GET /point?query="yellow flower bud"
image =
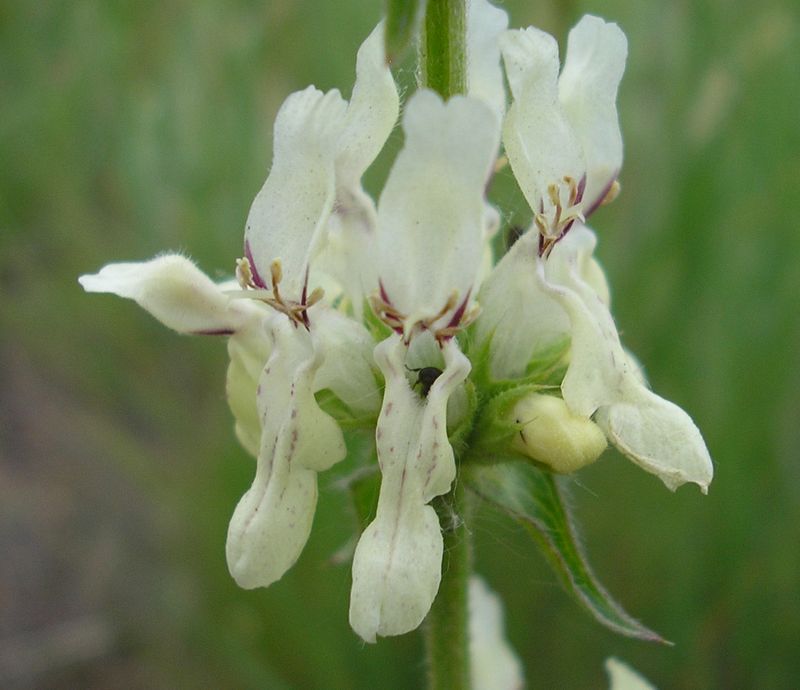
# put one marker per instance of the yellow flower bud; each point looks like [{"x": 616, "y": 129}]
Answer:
[{"x": 551, "y": 434}]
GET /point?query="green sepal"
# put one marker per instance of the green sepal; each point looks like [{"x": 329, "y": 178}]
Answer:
[
  {"x": 331, "y": 404},
  {"x": 377, "y": 328},
  {"x": 402, "y": 23},
  {"x": 459, "y": 434},
  {"x": 364, "y": 486},
  {"x": 546, "y": 368},
  {"x": 496, "y": 427},
  {"x": 535, "y": 499}
]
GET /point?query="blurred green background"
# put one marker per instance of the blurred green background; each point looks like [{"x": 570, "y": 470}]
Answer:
[{"x": 133, "y": 127}]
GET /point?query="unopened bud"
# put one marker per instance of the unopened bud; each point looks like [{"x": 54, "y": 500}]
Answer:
[{"x": 551, "y": 434}]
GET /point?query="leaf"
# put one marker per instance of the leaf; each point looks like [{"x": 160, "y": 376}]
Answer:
[
  {"x": 402, "y": 20},
  {"x": 533, "y": 498}
]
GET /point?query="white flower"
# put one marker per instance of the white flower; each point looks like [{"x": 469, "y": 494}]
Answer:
[
  {"x": 531, "y": 302},
  {"x": 430, "y": 241},
  {"x": 564, "y": 131},
  {"x": 312, "y": 205},
  {"x": 623, "y": 677},
  {"x": 562, "y": 134},
  {"x": 286, "y": 344},
  {"x": 317, "y": 249},
  {"x": 493, "y": 663}
]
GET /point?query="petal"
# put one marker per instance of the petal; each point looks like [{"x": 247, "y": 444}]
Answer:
[
  {"x": 289, "y": 214},
  {"x": 397, "y": 563},
  {"x": 598, "y": 364},
  {"x": 659, "y": 437},
  {"x": 431, "y": 211},
  {"x": 370, "y": 118},
  {"x": 273, "y": 519},
  {"x": 623, "y": 677},
  {"x": 371, "y": 113},
  {"x": 517, "y": 313},
  {"x": 485, "y": 24},
  {"x": 348, "y": 253},
  {"x": 249, "y": 348},
  {"x": 603, "y": 378},
  {"x": 175, "y": 291},
  {"x": 596, "y": 54},
  {"x": 541, "y": 146},
  {"x": 493, "y": 663},
  {"x": 346, "y": 347}
]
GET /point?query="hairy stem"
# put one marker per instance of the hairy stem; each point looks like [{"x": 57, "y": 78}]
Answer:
[
  {"x": 443, "y": 55},
  {"x": 447, "y": 624}
]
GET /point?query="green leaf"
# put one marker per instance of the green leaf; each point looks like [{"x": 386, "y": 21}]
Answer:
[
  {"x": 534, "y": 498},
  {"x": 402, "y": 21}
]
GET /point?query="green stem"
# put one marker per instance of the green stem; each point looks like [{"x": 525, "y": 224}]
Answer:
[
  {"x": 443, "y": 68},
  {"x": 443, "y": 47},
  {"x": 447, "y": 624}
]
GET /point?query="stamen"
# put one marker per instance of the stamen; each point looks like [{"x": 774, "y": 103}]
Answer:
[
  {"x": 560, "y": 217},
  {"x": 398, "y": 321},
  {"x": 244, "y": 276},
  {"x": 253, "y": 289},
  {"x": 316, "y": 295}
]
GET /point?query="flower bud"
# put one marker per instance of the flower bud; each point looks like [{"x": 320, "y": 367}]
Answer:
[{"x": 551, "y": 434}]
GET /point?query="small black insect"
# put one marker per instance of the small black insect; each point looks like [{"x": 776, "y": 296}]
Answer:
[{"x": 425, "y": 378}]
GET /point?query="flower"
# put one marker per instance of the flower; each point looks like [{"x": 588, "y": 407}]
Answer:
[
  {"x": 493, "y": 663},
  {"x": 623, "y": 677},
  {"x": 562, "y": 140},
  {"x": 429, "y": 246},
  {"x": 286, "y": 342},
  {"x": 561, "y": 134},
  {"x": 317, "y": 250}
]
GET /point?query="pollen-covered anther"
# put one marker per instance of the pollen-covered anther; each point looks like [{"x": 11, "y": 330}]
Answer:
[
  {"x": 386, "y": 312},
  {"x": 244, "y": 276},
  {"x": 399, "y": 322},
  {"x": 296, "y": 311},
  {"x": 562, "y": 212}
]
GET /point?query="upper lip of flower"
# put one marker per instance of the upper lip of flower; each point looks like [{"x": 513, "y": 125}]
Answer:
[{"x": 562, "y": 133}]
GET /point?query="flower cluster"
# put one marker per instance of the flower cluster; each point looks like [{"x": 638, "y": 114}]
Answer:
[{"x": 390, "y": 307}]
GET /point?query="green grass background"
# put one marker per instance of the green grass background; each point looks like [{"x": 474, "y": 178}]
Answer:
[{"x": 132, "y": 127}]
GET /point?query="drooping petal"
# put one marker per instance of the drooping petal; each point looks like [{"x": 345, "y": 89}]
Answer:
[
  {"x": 598, "y": 364},
  {"x": 485, "y": 24},
  {"x": 346, "y": 348},
  {"x": 397, "y": 563},
  {"x": 658, "y": 436},
  {"x": 431, "y": 211},
  {"x": 539, "y": 141},
  {"x": 176, "y": 292},
  {"x": 587, "y": 88},
  {"x": 273, "y": 519},
  {"x": 603, "y": 378},
  {"x": 493, "y": 663},
  {"x": 289, "y": 214}
]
